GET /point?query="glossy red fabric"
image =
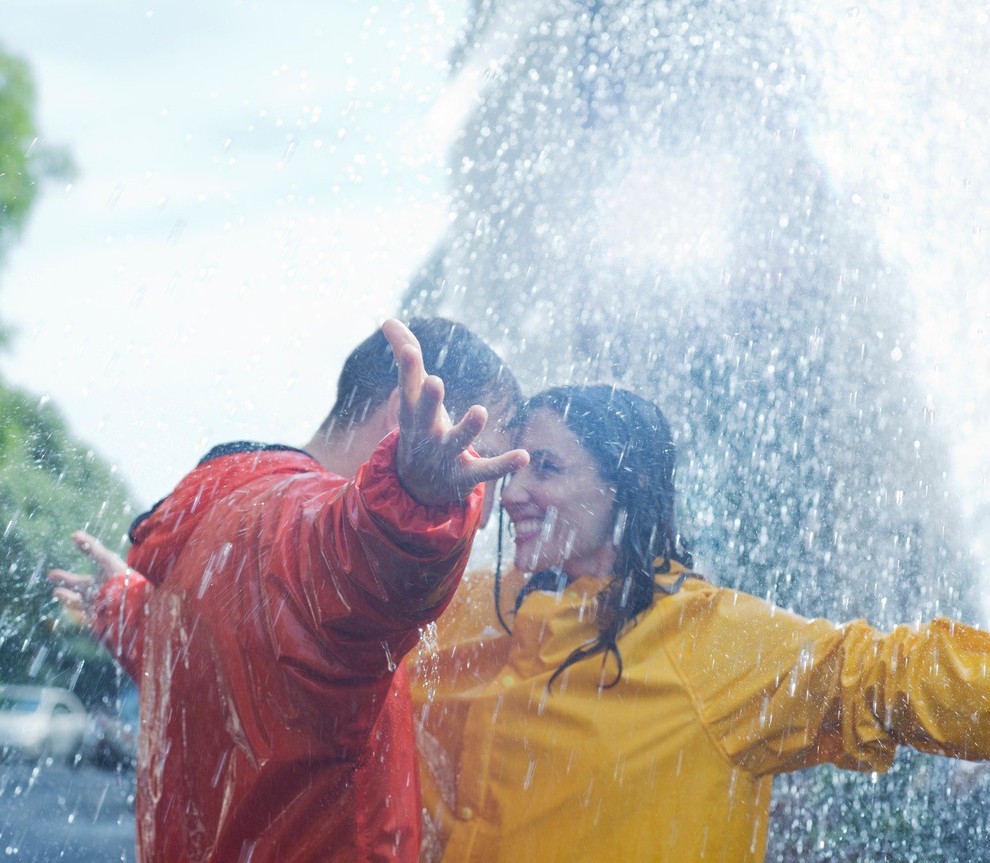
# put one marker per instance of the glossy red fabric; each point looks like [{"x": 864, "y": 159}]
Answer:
[{"x": 265, "y": 623}]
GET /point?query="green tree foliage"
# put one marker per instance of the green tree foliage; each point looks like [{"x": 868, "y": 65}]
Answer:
[
  {"x": 24, "y": 162},
  {"x": 50, "y": 484}
]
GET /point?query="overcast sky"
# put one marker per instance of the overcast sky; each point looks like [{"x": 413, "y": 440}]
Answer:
[{"x": 255, "y": 181}]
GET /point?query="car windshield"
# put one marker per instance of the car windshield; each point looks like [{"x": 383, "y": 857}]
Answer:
[{"x": 13, "y": 704}]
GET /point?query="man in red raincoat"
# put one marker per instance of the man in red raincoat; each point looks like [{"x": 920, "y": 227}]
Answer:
[{"x": 271, "y": 597}]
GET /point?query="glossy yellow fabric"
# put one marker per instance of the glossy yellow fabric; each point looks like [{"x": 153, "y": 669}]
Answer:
[{"x": 719, "y": 692}]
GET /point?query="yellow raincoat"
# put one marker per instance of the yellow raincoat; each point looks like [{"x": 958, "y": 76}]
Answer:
[{"x": 719, "y": 691}]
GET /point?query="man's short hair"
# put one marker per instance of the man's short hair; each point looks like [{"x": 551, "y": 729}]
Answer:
[{"x": 472, "y": 372}]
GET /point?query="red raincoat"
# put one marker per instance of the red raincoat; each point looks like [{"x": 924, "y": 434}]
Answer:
[{"x": 265, "y": 630}]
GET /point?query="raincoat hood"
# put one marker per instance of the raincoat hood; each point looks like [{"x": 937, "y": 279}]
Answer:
[{"x": 159, "y": 535}]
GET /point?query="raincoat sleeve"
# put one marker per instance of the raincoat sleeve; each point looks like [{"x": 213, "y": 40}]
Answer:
[
  {"x": 371, "y": 565},
  {"x": 778, "y": 692},
  {"x": 118, "y": 619}
]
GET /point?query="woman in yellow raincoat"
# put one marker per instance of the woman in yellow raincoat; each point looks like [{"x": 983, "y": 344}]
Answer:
[{"x": 611, "y": 705}]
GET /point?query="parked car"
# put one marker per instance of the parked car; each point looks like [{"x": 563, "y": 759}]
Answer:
[
  {"x": 41, "y": 720},
  {"x": 111, "y": 740}
]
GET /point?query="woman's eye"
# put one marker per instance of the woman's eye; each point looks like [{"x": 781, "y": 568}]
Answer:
[{"x": 546, "y": 467}]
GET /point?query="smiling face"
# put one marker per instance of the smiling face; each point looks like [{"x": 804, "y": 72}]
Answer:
[{"x": 559, "y": 505}]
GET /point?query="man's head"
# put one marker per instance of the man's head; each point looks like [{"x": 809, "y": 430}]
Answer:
[{"x": 471, "y": 371}]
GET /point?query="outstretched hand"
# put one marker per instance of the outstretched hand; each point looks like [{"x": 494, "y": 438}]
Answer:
[
  {"x": 432, "y": 460},
  {"x": 76, "y": 592}
]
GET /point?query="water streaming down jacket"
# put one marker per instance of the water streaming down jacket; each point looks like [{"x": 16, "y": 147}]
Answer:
[
  {"x": 719, "y": 692},
  {"x": 269, "y": 608}
]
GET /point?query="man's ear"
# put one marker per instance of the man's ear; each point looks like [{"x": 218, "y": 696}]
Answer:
[{"x": 392, "y": 410}]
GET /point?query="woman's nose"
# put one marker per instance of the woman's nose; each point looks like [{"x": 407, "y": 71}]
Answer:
[{"x": 515, "y": 489}]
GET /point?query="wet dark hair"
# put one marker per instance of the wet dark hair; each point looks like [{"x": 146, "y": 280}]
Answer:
[
  {"x": 472, "y": 373},
  {"x": 632, "y": 446}
]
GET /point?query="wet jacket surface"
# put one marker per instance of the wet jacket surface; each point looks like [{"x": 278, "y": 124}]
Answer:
[
  {"x": 271, "y": 604},
  {"x": 719, "y": 692}
]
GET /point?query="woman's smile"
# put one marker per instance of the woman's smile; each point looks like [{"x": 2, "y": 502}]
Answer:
[{"x": 526, "y": 529}]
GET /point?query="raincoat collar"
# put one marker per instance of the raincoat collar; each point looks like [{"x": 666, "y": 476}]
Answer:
[
  {"x": 159, "y": 535},
  {"x": 552, "y": 619},
  {"x": 554, "y": 581}
]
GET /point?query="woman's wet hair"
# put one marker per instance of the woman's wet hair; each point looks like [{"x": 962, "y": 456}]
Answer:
[{"x": 631, "y": 444}]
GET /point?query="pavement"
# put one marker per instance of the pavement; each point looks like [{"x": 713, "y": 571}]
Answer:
[{"x": 50, "y": 811}]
